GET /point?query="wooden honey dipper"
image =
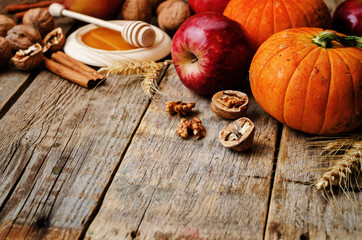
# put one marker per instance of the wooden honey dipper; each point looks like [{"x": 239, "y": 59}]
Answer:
[{"x": 136, "y": 33}]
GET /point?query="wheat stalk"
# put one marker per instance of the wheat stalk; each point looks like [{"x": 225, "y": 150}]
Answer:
[
  {"x": 148, "y": 70},
  {"x": 347, "y": 165}
]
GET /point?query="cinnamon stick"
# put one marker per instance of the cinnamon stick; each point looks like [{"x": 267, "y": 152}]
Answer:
[
  {"x": 74, "y": 64},
  {"x": 68, "y": 73},
  {"x": 14, "y": 8},
  {"x": 19, "y": 15}
]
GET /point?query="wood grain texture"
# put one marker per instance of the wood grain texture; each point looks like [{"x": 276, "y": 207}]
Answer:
[
  {"x": 297, "y": 211},
  {"x": 59, "y": 147},
  {"x": 171, "y": 188}
]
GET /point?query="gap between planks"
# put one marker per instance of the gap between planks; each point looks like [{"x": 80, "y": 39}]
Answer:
[
  {"x": 92, "y": 216},
  {"x": 275, "y": 162}
]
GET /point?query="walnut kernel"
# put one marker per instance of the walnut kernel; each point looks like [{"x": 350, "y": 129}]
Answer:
[
  {"x": 6, "y": 24},
  {"x": 183, "y": 128},
  {"x": 179, "y": 107},
  {"x": 194, "y": 125},
  {"x": 199, "y": 131},
  {"x": 40, "y": 19}
]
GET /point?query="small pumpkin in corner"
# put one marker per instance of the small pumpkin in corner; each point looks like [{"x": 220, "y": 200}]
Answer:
[
  {"x": 262, "y": 18},
  {"x": 310, "y": 79}
]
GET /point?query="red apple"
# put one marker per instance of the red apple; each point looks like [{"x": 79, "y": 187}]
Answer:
[
  {"x": 347, "y": 18},
  {"x": 198, "y": 6},
  {"x": 104, "y": 9},
  {"x": 210, "y": 53}
]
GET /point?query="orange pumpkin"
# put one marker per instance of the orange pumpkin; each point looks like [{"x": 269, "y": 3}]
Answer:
[
  {"x": 310, "y": 83},
  {"x": 262, "y": 18}
]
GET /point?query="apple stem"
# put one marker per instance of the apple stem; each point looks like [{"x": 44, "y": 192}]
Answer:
[
  {"x": 325, "y": 38},
  {"x": 194, "y": 60}
]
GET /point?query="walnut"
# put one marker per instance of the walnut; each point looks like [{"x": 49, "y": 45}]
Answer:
[
  {"x": 137, "y": 10},
  {"x": 40, "y": 19},
  {"x": 238, "y": 135},
  {"x": 199, "y": 131},
  {"x": 230, "y": 104},
  {"x": 28, "y": 59},
  {"x": 164, "y": 5},
  {"x": 23, "y": 36},
  {"x": 179, "y": 107},
  {"x": 53, "y": 41},
  {"x": 183, "y": 128},
  {"x": 194, "y": 125},
  {"x": 171, "y": 14},
  {"x": 5, "y": 52},
  {"x": 6, "y": 24}
]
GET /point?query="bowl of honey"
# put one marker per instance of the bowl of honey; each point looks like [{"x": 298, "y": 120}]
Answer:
[{"x": 99, "y": 46}]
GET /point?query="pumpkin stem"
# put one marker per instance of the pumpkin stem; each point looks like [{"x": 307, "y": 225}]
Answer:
[{"x": 324, "y": 39}]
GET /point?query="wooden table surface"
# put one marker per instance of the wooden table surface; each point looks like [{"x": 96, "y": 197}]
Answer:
[{"x": 108, "y": 164}]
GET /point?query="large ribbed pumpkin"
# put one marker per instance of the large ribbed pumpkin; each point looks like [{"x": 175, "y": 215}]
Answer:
[
  {"x": 308, "y": 82},
  {"x": 262, "y": 18}
]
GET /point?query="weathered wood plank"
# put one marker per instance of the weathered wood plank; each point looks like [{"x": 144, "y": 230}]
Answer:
[
  {"x": 171, "y": 188},
  {"x": 297, "y": 211},
  {"x": 60, "y": 144}
]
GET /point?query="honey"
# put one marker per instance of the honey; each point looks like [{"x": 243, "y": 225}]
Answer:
[{"x": 106, "y": 39}]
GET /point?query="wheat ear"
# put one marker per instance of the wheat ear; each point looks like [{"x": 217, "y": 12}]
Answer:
[
  {"x": 149, "y": 70},
  {"x": 343, "y": 169},
  {"x": 149, "y": 82}
]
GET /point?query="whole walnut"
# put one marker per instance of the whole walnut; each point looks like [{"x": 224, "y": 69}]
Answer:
[
  {"x": 40, "y": 19},
  {"x": 171, "y": 14},
  {"x": 23, "y": 36},
  {"x": 6, "y": 24},
  {"x": 5, "y": 52},
  {"x": 163, "y": 5},
  {"x": 137, "y": 10}
]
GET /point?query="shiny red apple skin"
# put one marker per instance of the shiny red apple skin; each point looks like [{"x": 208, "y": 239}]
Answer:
[
  {"x": 104, "y": 9},
  {"x": 198, "y": 6},
  {"x": 347, "y": 18},
  {"x": 211, "y": 53}
]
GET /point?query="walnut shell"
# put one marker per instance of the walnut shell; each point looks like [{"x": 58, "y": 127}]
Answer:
[
  {"x": 23, "y": 36},
  {"x": 230, "y": 104},
  {"x": 5, "y": 52},
  {"x": 171, "y": 14},
  {"x": 6, "y": 24},
  {"x": 137, "y": 10},
  {"x": 54, "y": 41},
  {"x": 238, "y": 135},
  {"x": 40, "y": 19},
  {"x": 28, "y": 59}
]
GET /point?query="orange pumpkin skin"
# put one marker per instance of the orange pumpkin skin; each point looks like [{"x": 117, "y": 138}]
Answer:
[
  {"x": 262, "y": 18},
  {"x": 309, "y": 88}
]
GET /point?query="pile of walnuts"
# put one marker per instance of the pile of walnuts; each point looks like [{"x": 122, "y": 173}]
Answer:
[
  {"x": 170, "y": 14},
  {"x": 26, "y": 39}
]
